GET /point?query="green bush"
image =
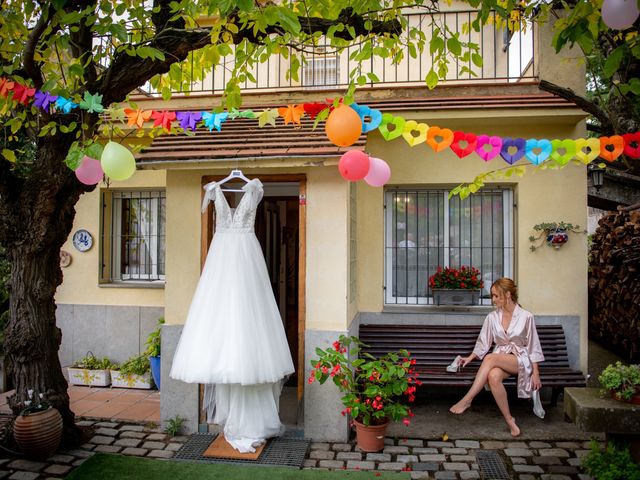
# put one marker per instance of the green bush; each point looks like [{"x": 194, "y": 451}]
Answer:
[
  {"x": 93, "y": 363},
  {"x": 614, "y": 463},
  {"x": 135, "y": 365},
  {"x": 622, "y": 379},
  {"x": 153, "y": 341}
]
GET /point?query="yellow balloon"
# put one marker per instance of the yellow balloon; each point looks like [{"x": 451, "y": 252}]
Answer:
[{"x": 117, "y": 161}]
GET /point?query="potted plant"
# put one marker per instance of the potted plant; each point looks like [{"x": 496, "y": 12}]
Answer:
[
  {"x": 622, "y": 382},
  {"x": 555, "y": 234},
  {"x": 375, "y": 390},
  {"x": 91, "y": 371},
  {"x": 153, "y": 352},
  {"x": 453, "y": 286},
  {"x": 133, "y": 373},
  {"x": 38, "y": 428}
]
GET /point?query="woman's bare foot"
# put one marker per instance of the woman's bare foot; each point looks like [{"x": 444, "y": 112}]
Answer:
[
  {"x": 515, "y": 430},
  {"x": 460, "y": 407}
]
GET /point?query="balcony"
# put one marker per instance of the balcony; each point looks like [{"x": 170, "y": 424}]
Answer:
[{"x": 508, "y": 57}]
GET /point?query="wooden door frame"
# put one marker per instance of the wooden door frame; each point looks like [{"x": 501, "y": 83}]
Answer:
[{"x": 206, "y": 231}]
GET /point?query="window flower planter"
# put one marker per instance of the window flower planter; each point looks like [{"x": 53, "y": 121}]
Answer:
[
  {"x": 130, "y": 380},
  {"x": 85, "y": 376},
  {"x": 455, "y": 296}
]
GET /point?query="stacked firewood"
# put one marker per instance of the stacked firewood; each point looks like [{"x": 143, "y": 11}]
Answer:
[{"x": 614, "y": 283}]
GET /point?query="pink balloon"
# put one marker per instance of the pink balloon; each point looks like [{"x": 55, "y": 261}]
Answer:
[
  {"x": 354, "y": 165},
  {"x": 379, "y": 172},
  {"x": 619, "y": 14},
  {"x": 90, "y": 171}
]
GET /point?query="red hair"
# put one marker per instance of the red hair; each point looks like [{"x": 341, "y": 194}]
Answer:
[{"x": 505, "y": 285}]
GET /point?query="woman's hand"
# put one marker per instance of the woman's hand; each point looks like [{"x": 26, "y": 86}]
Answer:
[
  {"x": 466, "y": 360},
  {"x": 535, "y": 380}
]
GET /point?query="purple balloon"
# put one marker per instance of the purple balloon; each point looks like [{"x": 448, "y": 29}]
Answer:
[
  {"x": 90, "y": 171},
  {"x": 379, "y": 172},
  {"x": 619, "y": 14}
]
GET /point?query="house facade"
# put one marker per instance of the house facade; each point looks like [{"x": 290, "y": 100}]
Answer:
[{"x": 339, "y": 253}]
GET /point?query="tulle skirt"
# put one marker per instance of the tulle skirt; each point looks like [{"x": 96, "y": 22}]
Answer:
[{"x": 233, "y": 333}]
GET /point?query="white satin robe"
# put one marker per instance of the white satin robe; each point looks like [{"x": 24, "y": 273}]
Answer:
[{"x": 520, "y": 339}]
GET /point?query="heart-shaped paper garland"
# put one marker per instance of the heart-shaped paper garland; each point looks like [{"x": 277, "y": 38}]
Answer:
[
  {"x": 616, "y": 142},
  {"x": 545, "y": 150},
  {"x": 494, "y": 142},
  {"x": 397, "y": 122},
  {"x": 374, "y": 115},
  {"x": 569, "y": 147},
  {"x": 629, "y": 140},
  {"x": 436, "y": 132},
  {"x": 458, "y": 137},
  {"x": 593, "y": 144},
  {"x": 413, "y": 126},
  {"x": 517, "y": 143}
]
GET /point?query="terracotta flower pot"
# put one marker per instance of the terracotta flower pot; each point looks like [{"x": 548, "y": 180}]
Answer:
[
  {"x": 370, "y": 438},
  {"x": 38, "y": 434}
]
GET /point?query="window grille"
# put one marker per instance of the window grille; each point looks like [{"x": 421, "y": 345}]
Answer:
[
  {"x": 320, "y": 71},
  {"x": 424, "y": 229},
  {"x": 136, "y": 237}
]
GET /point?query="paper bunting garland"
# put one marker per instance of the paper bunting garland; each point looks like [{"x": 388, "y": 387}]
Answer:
[
  {"x": 511, "y": 150},
  {"x": 291, "y": 113},
  {"x": 163, "y": 119}
]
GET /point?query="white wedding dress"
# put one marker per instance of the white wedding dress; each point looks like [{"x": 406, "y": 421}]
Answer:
[{"x": 233, "y": 340}]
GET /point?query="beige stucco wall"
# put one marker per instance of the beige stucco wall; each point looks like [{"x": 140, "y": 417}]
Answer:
[
  {"x": 551, "y": 282},
  {"x": 81, "y": 279}
]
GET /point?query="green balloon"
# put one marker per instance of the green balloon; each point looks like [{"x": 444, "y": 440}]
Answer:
[{"x": 117, "y": 161}]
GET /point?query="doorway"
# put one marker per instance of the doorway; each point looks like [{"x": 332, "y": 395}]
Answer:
[{"x": 280, "y": 229}]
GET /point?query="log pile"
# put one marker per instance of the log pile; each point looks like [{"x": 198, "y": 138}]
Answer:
[{"x": 614, "y": 283}]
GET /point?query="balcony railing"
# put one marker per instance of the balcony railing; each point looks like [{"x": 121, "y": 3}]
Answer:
[{"x": 507, "y": 57}]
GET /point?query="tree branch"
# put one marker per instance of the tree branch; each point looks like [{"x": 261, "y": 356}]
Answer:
[
  {"x": 586, "y": 105},
  {"x": 82, "y": 46},
  {"x": 30, "y": 67},
  {"x": 126, "y": 73}
]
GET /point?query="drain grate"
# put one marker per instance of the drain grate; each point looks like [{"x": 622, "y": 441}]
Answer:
[
  {"x": 491, "y": 465},
  {"x": 280, "y": 451}
]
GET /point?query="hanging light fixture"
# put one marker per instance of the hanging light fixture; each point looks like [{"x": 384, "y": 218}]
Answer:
[{"x": 597, "y": 175}]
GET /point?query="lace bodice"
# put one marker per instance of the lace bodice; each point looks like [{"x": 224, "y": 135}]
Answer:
[{"x": 243, "y": 218}]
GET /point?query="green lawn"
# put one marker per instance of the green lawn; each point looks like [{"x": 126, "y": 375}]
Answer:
[{"x": 111, "y": 467}]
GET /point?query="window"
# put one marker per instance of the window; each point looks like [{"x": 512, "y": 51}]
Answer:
[
  {"x": 320, "y": 71},
  {"x": 134, "y": 232},
  {"x": 425, "y": 229}
]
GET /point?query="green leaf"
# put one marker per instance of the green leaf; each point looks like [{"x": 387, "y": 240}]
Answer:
[
  {"x": 9, "y": 155},
  {"x": 454, "y": 46},
  {"x": 432, "y": 79},
  {"x": 612, "y": 64},
  {"x": 476, "y": 59},
  {"x": 74, "y": 157},
  {"x": 436, "y": 44}
]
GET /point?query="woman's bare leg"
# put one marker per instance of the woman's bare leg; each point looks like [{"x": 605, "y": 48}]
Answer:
[
  {"x": 505, "y": 361},
  {"x": 496, "y": 377}
]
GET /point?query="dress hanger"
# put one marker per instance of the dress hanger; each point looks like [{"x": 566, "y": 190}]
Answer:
[{"x": 235, "y": 174}]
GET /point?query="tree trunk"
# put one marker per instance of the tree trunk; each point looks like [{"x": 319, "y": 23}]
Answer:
[{"x": 42, "y": 209}]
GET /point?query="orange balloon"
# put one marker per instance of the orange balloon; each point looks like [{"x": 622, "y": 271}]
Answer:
[{"x": 343, "y": 126}]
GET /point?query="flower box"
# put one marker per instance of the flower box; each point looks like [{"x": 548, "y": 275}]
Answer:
[
  {"x": 93, "y": 378},
  {"x": 455, "y": 296},
  {"x": 132, "y": 380}
]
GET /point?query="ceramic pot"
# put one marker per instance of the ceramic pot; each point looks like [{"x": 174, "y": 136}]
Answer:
[
  {"x": 557, "y": 237},
  {"x": 370, "y": 438},
  {"x": 155, "y": 369},
  {"x": 38, "y": 434}
]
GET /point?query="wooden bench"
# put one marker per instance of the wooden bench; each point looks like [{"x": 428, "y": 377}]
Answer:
[{"x": 435, "y": 346}]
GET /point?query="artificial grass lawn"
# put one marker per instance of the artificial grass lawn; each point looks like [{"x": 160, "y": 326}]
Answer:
[{"x": 110, "y": 467}]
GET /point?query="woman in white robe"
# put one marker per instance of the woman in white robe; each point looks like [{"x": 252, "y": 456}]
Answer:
[{"x": 517, "y": 352}]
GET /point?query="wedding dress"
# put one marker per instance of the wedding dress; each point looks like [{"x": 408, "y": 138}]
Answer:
[{"x": 233, "y": 340}]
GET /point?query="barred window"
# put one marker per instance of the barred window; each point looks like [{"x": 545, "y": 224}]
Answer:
[
  {"x": 425, "y": 229},
  {"x": 134, "y": 232},
  {"x": 320, "y": 71}
]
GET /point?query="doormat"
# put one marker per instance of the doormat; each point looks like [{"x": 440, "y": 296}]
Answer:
[
  {"x": 280, "y": 451},
  {"x": 220, "y": 448}
]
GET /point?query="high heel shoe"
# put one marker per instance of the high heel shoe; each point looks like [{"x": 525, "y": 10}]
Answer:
[{"x": 455, "y": 365}]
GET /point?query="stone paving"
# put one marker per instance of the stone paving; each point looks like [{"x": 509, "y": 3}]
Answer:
[{"x": 424, "y": 459}]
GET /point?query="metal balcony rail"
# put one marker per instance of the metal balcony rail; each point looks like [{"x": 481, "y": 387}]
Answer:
[{"x": 507, "y": 57}]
